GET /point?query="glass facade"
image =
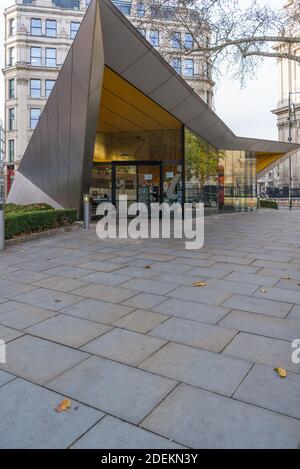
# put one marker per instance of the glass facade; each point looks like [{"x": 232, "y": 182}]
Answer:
[
  {"x": 143, "y": 152},
  {"x": 238, "y": 176},
  {"x": 201, "y": 171}
]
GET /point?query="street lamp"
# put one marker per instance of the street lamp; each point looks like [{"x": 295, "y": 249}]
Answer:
[{"x": 291, "y": 120}]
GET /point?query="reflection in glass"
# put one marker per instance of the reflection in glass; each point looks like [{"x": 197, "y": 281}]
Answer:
[{"x": 201, "y": 171}]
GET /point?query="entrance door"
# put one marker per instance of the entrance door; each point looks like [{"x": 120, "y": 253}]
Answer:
[{"x": 139, "y": 182}]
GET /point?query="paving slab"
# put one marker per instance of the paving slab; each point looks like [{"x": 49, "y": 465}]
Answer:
[
  {"x": 144, "y": 301},
  {"x": 7, "y": 334},
  {"x": 231, "y": 286},
  {"x": 5, "y": 378},
  {"x": 68, "y": 330},
  {"x": 9, "y": 289},
  {"x": 62, "y": 284},
  {"x": 105, "y": 293},
  {"x": 295, "y": 313},
  {"x": 208, "y": 370},
  {"x": 47, "y": 299},
  {"x": 227, "y": 267},
  {"x": 206, "y": 336},
  {"x": 39, "y": 360},
  {"x": 120, "y": 390},
  {"x": 263, "y": 350},
  {"x": 102, "y": 266},
  {"x": 150, "y": 286},
  {"x": 201, "y": 419},
  {"x": 25, "y": 276},
  {"x": 124, "y": 346},
  {"x": 67, "y": 271},
  {"x": 291, "y": 284},
  {"x": 280, "y": 294},
  {"x": 3, "y": 300},
  {"x": 106, "y": 278},
  {"x": 284, "y": 329},
  {"x": 258, "y": 305},
  {"x": 98, "y": 311},
  {"x": 263, "y": 387},
  {"x": 28, "y": 419},
  {"x": 192, "y": 310},
  {"x": 112, "y": 433},
  {"x": 200, "y": 294},
  {"x": 137, "y": 272},
  {"x": 20, "y": 315},
  {"x": 141, "y": 321},
  {"x": 255, "y": 279}
]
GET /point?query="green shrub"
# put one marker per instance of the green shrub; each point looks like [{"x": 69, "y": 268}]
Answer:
[
  {"x": 22, "y": 223},
  {"x": 268, "y": 204},
  {"x": 13, "y": 208}
]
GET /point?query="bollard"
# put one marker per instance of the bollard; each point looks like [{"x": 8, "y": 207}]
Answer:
[
  {"x": 258, "y": 202},
  {"x": 2, "y": 231},
  {"x": 86, "y": 211}
]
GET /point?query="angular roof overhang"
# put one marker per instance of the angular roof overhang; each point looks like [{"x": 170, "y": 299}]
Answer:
[{"x": 59, "y": 157}]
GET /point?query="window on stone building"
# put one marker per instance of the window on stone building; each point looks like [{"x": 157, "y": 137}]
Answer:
[
  {"x": 50, "y": 59},
  {"x": 11, "y": 151},
  {"x": 154, "y": 37},
  {"x": 11, "y": 119},
  {"x": 12, "y": 26},
  {"x": 11, "y": 89},
  {"x": 176, "y": 40},
  {"x": 34, "y": 117},
  {"x": 51, "y": 28},
  {"x": 176, "y": 64},
  {"x": 74, "y": 26},
  {"x": 188, "y": 67},
  {"x": 36, "y": 27},
  {"x": 188, "y": 41},
  {"x": 35, "y": 56},
  {"x": 140, "y": 9},
  {"x": 35, "y": 88},
  {"x": 11, "y": 56},
  {"x": 142, "y": 31},
  {"x": 49, "y": 87}
]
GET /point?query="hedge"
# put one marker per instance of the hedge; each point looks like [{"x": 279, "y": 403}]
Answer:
[
  {"x": 268, "y": 204},
  {"x": 13, "y": 208},
  {"x": 22, "y": 223}
]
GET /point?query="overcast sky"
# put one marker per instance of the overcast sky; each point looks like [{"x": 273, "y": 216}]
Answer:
[{"x": 246, "y": 111}]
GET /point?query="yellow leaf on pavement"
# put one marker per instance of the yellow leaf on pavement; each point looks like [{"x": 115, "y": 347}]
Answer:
[
  {"x": 147, "y": 266},
  {"x": 64, "y": 405},
  {"x": 263, "y": 290},
  {"x": 281, "y": 372},
  {"x": 199, "y": 284}
]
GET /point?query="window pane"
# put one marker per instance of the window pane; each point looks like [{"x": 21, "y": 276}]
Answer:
[
  {"x": 49, "y": 86},
  {"x": 51, "y": 28},
  {"x": 142, "y": 31},
  {"x": 11, "y": 89},
  {"x": 34, "y": 117},
  {"x": 188, "y": 41},
  {"x": 188, "y": 68},
  {"x": 175, "y": 40},
  {"x": 35, "y": 88},
  {"x": 11, "y": 150},
  {"x": 36, "y": 56},
  {"x": 36, "y": 27},
  {"x": 12, "y": 26},
  {"x": 11, "y": 119},
  {"x": 140, "y": 9},
  {"x": 176, "y": 64},
  {"x": 73, "y": 29},
  {"x": 50, "y": 57},
  {"x": 154, "y": 38}
]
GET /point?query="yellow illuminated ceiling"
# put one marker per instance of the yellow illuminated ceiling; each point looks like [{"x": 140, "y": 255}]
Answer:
[
  {"x": 265, "y": 159},
  {"x": 136, "y": 119}
]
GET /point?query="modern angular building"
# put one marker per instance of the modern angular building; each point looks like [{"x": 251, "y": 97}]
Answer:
[{"x": 120, "y": 120}]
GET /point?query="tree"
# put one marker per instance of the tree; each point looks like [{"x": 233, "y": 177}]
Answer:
[
  {"x": 239, "y": 33},
  {"x": 201, "y": 159}
]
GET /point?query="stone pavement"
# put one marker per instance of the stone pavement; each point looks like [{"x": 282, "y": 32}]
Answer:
[{"x": 148, "y": 360}]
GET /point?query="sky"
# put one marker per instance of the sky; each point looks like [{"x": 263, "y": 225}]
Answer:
[{"x": 246, "y": 111}]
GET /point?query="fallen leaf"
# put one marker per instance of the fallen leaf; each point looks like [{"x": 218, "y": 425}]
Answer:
[
  {"x": 57, "y": 301},
  {"x": 263, "y": 290},
  {"x": 199, "y": 284},
  {"x": 281, "y": 372},
  {"x": 147, "y": 266},
  {"x": 64, "y": 405},
  {"x": 286, "y": 278}
]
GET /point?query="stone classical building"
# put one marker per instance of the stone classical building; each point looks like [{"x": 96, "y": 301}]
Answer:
[
  {"x": 38, "y": 35},
  {"x": 288, "y": 84}
]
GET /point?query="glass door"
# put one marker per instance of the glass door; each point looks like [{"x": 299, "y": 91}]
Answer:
[
  {"x": 126, "y": 183},
  {"x": 149, "y": 184}
]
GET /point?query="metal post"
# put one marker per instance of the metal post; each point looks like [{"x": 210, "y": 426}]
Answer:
[
  {"x": 2, "y": 231},
  {"x": 86, "y": 211}
]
